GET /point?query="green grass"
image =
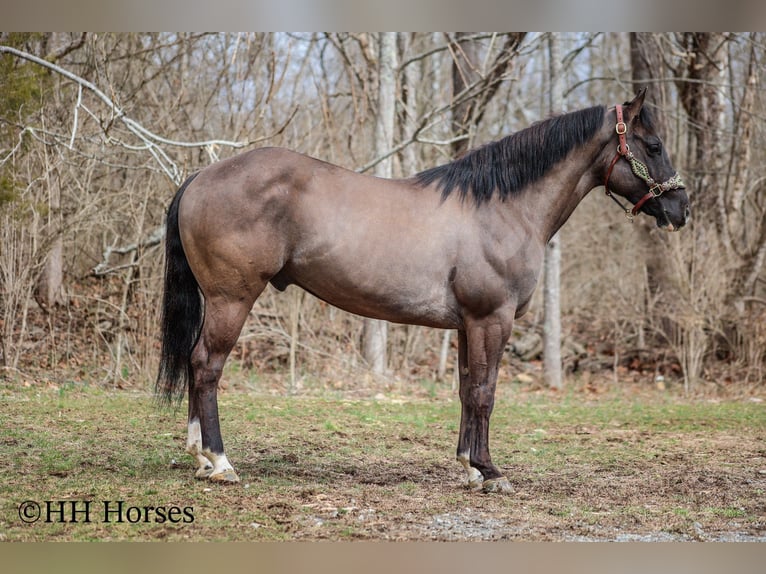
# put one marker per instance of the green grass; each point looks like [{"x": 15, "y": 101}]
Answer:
[{"x": 315, "y": 468}]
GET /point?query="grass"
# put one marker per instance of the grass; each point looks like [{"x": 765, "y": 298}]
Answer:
[{"x": 331, "y": 468}]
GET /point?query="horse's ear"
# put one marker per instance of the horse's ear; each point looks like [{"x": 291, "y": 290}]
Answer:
[{"x": 633, "y": 108}]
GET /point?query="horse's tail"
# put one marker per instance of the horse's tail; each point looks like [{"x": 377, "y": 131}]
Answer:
[{"x": 181, "y": 312}]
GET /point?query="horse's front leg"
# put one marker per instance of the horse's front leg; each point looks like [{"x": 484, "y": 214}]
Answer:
[{"x": 480, "y": 349}]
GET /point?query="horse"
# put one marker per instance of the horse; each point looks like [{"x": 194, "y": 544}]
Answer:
[{"x": 458, "y": 246}]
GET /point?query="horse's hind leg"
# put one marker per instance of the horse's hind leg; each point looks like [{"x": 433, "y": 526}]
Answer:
[
  {"x": 221, "y": 327},
  {"x": 194, "y": 441}
]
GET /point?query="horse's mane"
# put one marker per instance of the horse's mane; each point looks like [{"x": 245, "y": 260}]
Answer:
[{"x": 508, "y": 165}]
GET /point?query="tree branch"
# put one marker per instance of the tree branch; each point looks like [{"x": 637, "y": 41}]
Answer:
[
  {"x": 154, "y": 238},
  {"x": 149, "y": 138}
]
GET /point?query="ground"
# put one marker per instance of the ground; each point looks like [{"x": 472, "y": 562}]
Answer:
[{"x": 604, "y": 462}]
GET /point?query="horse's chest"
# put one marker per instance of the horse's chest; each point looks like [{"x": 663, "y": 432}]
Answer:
[{"x": 493, "y": 284}]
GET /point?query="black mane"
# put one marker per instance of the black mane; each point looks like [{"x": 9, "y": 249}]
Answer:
[{"x": 510, "y": 164}]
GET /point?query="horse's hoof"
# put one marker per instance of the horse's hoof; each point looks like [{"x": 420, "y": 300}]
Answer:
[
  {"x": 204, "y": 472},
  {"x": 475, "y": 484},
  {"x": 501, "y": 485},
  {"x": 225, "y": 477}
]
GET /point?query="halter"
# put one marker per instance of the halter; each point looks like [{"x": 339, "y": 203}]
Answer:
[{"x": 639, "y": 169}]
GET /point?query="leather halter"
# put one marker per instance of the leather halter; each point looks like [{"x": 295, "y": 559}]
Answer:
[{"x": 638, "y": 168}]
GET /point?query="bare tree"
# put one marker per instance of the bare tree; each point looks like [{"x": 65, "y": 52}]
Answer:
[{"x": 552, "y": 270}]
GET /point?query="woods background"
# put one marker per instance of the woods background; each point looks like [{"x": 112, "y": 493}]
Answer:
[{"x": 96, "y": 136}]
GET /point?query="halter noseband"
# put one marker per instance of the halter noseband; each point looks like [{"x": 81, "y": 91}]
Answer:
[{"x": 639, "y": 169}]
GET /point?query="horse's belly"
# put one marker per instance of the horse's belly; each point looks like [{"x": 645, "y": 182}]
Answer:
[{"x": 407, "y": 299}]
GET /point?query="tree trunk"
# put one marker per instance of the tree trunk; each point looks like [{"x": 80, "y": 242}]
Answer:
[
  {"x": 646, "y": 67},
  {"x": 647, "y": 72},
  {"x": 699, "y": 82},
  {"x": 49, "y": 289},
  {"x": 703, "y": 100},
  {"x": 375, "y": 334},
  {"x": 552, "y": 271}
]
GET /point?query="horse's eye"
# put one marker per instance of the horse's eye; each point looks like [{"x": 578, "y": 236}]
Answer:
[{"x": 654, "y": 148}]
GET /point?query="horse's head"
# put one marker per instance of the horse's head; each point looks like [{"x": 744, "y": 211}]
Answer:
[{"x": 640, "y": 169}]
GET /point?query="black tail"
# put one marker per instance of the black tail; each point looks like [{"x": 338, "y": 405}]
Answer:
[{"x": 181, "y": 312}]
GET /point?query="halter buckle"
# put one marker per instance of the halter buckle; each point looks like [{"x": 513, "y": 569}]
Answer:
[{"x": 621, "y": 128}]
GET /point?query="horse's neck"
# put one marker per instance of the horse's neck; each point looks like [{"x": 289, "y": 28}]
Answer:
[{"x": 558, "y": 194}]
